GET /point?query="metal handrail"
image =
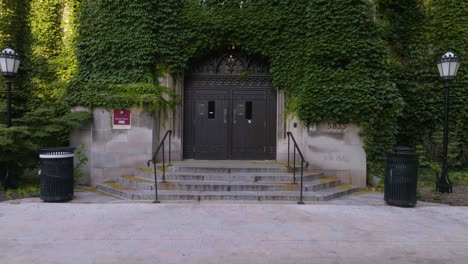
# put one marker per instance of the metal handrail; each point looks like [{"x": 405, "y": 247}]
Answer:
[
  {"x": 161, "y": 145},
  {"x": 296, "y": 147}
]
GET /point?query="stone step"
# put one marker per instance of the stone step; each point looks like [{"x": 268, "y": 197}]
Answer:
[
  {"x": 228, "y": 168},
  {"x": 164, "y": 195},
  {"x": 214, "y": 186},
  {"x": 245, "y": 177}
]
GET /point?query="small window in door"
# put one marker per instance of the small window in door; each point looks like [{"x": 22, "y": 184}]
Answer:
[
  {"x": 211, "y": 109},
  {"x": 248, "y": 110}
]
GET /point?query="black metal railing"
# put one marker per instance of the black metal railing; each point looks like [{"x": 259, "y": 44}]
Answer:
[
  {"x": 296, "y": 147},
  {"x": 153, "y": 160}
]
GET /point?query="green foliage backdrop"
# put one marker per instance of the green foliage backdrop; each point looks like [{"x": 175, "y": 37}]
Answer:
[
  {"x": 43, "y": 33},
  {"x": 416, "y": 32}
]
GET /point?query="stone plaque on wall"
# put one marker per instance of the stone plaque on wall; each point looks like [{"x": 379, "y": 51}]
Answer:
[
  {"x": 332, "y": 127},
  {"x": 122, "y": 119}
]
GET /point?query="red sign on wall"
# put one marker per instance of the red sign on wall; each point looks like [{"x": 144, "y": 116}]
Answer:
[{"x": 122, "y": 119}]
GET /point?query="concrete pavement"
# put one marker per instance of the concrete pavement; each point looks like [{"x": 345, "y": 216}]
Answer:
[
  {"x": 33, "y": 232},
  {"x": 96, "y": 196}
]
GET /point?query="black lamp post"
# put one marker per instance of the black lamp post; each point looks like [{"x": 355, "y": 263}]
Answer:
[
  {"x": 9, "y": 64},
  {"x": 448, "y": 65}
]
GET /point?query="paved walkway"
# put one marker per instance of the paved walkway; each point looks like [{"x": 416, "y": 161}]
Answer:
[
  {"x": 124, "y": 232},
  {"x": 359, "y": 198}
]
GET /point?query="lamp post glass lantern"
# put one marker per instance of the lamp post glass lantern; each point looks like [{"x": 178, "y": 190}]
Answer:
[
  {"x": 448, "y": 65},
  {"x": 9, "y": 62},
  {"x": 9, "y": 65}
]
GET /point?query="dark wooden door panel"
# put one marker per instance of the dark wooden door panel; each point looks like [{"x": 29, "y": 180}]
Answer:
[
  {"x": 249, "y": 140},
  {"x": 211, "y": 125}
]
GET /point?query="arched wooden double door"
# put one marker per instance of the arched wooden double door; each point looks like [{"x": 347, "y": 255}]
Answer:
[{"x": 229, "y": 109}]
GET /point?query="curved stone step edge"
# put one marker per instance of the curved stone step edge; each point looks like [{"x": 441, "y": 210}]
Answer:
[
  {"x": 323, "y": 195},
  {"x": 308, "y": 176},
  {"x": 208, "y": 186},
  {"x": 125, "y": 194},
  {"x": 336, "y": 192}
]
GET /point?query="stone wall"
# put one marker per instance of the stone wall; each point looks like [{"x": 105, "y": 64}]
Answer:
[
  {"x": 337, "y": 149},
  {"x": 114, "y": 152}
]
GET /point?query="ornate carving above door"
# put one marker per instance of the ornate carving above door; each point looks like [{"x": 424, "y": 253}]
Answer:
[
  {"x": 230, "y": 68},
  {"x": 231, "y": 63}
]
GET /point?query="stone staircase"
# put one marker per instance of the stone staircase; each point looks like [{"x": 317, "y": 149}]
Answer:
[{"x": 227, "y": 180}]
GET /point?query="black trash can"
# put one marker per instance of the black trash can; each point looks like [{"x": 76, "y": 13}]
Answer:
[
  {"x": 401, "y": 177},
  {"x": 57, "y": 174}
]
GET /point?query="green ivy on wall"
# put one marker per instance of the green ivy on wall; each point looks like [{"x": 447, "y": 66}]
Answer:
[
  {"x": 117, "y": 59},
  {"x": 449, "y": 26},
  {"x": 146, "y": 95},
  {"x": 46, "y": 48}
]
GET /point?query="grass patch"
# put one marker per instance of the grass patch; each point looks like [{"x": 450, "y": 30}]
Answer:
[
  {"x": 86, "y": 189},
  {"x": 109, "y": 195},
  {"x": 427, "y": 177},
  {"x": 327, "y": 180},
  {"x": 366, "y": 191},
  {"x": 28, "y": 186},
  {"x": 118, "y": 186},
  {"x": 312, "y": 172},
  {"x": 344, "y": 187},
  {"x": 271, "y": 163},
  {"x": 25, "y": 190},
  {"x": 133, "y": 178},
  {"x": 146, "y": 171}
]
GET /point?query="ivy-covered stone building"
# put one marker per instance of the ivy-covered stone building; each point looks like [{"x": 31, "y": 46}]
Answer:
[
  {"x": 231, "y": 86},
  {"x": 348, "y": 79}
]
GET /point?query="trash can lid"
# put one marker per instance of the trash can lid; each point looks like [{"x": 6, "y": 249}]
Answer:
[
  {"x": 55, "y": 156},
  {"x": 56, "y": 152},
  {"x": 403, "y": 149}
]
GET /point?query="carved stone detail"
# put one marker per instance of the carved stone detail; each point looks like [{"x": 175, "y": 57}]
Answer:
[{"x": 231, "y": 68}]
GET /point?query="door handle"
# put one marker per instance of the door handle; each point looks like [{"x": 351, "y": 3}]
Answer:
[
  {"x": 234, "y": 116},
  {"x": 225, "y": 116}
]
